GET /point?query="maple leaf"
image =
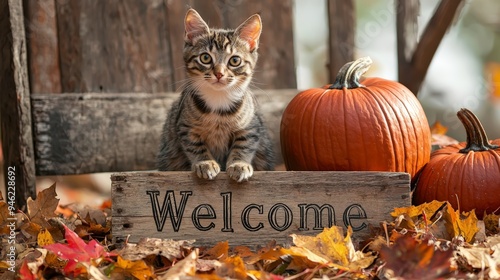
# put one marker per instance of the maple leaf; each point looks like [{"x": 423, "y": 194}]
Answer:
[
  {"x": 412, "y": 214},
  {"x": 464, "y": 225},
  {"x": 77, "y": 251},
  {"x": 409, "y": 259},
  {"x": 139, "y": 269},
  {"x": 43, "y": 207},
  {"x": 332, "y": 246}
]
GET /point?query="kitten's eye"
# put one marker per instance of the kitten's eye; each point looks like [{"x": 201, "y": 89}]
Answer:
[
  {"x": 235, "y": 61},
  {"x": 205, "y": 58}
]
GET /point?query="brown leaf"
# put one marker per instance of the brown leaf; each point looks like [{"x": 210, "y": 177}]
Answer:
[
  {"x": 168, "y": 248},
  {"x": 219, "y": 252},
  {"x": 410, "y": 259},
  {"x": 4, "y": 217},
  {"x": 43, "y": 207},
  {"x": 492, "y": 224},
  {"x": 233, "y": 268}
]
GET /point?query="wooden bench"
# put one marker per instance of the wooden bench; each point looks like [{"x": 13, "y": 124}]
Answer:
[{"x": 85, "y": 85}]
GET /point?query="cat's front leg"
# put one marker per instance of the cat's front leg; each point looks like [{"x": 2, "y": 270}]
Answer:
[
  {"x": 202, "y": 161},
  {"x": 239, "y": 163}
]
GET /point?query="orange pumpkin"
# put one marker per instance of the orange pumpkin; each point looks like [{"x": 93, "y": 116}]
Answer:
[
  {"x": 373, "y": 125},
  {"x": 465, "y": 174}
]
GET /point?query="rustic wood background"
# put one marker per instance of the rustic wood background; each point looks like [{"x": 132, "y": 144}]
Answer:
[
  {"x": 376, "y": 192},
  {"x": 62, "y": 61},
  {"x": 136, "y": 46}
]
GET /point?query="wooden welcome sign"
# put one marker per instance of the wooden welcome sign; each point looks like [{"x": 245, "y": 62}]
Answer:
[{"x": 270, "y": 206}]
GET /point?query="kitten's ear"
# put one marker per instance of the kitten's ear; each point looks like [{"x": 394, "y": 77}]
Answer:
[
  {"x": 250, "y": 31},
  {"x": 194, "y": 25}
]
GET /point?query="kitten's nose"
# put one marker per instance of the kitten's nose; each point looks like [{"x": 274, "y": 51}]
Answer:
[{"x": 218, "y": 75}]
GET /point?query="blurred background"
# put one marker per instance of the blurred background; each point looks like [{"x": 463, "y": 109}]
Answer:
[{"x": 465, "y": 71}]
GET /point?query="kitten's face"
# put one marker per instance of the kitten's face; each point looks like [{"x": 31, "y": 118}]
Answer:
[{"x": 220, "y": 60}]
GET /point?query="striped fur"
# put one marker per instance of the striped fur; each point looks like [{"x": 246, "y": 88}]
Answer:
[{"x": 215, "y": 124}]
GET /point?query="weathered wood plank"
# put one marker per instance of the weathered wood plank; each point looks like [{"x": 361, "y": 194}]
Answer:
[
  {"x": 270, "y": 206},
  {"x": 85, "y": 133},
  {"x": 275, "y": 68},
  {"x": 341, "y": 23},
  {"x": 114, "y": 46},
  {"x": 414, "y": 61},
  {"x": 43, "y": 49},
  {"x": 15, "y": 110}
]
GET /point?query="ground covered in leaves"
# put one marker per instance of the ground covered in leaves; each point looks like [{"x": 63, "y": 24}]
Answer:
[{"x": 431, "y": 241}]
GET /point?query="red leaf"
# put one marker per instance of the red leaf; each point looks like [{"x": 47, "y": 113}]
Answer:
[
  {"x": 77, "y": 250},
  {"x": 25, "y": 272}
]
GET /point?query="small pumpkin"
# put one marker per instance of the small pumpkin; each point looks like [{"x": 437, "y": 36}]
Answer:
[
  {"x": 373, "y": 125},
  {"x": 466, "y": 174}
]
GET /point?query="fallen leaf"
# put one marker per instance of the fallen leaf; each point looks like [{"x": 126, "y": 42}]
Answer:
[
  {"x": 25, "y": 272},
  {"x": 4, "y": 217},
  {"x": 77, "y": 251},
  {"x": 219, "y": 252},
  {"x": 233, "y": 268},
  {"x": 43, "y": 207},
  {"x": 168, "y": 248},
  {"x": 329, "y": 244},
  {"x": 492, "y": 223},
  {"x": 413, "y": 214},
  {"x": 409, "y": 259},
  {"x": 139, "y": 269},
  {"x": 185, "y": 267},
  {"x": 464, "y": 224},
  {"x": 44, "y": 238}
]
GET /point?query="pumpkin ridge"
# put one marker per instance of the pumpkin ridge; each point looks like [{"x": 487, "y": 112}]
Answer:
[
  {"x": 360, "y": 128},
  {"x": 302, "y": 116},
  {"x": 383, "y": 104},
  {"x": 415, "y": 124},
  {"x": 313, "y": 128}
]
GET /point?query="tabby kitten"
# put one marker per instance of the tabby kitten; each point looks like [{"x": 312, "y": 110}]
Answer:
[{"x": 215, "y": 124}]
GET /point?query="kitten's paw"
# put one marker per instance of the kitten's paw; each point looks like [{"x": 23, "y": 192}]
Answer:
[
  {"x": 206, "y": 169},
  {"x": 240, "y": 171}
]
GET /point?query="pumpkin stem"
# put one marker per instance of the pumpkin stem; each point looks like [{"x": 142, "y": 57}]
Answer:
[
  {"x": 476, "y": 136},
  {"x": 349, "y": 74}
]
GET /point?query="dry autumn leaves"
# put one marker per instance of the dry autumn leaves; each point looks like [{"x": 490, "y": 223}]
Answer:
[{"x": 430, "y": 241}]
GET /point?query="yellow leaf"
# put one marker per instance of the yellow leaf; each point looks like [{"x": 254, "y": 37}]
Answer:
[
  {"x": 329, "y": 244},
  {"x": 412, "y": 214},
  {"x": 461, "y": 225},
  {"x": 233, "y": 267},
  {"x": 438, "y": 128},
  {"x": 44, "y": 238},
  {"x": 139, "y": 269}
]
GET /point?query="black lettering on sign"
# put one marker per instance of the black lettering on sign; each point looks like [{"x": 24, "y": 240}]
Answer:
[
  {"x": 354, "y": 212},
  {"x": 245, "y": 217},
  {"x": 227, "y": 214},
  {"x": 160, "y": 214},
  {"x": 197, "y": 216},
  {"x": 273, "y": 219},
  {"x": 318, "y": 216}
]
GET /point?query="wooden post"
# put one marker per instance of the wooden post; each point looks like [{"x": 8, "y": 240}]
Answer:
[
  {"x": 414, "y": 60},
  {"x": 270, "y": 206},
  {"x": 15, "y": 109},
  {"x": 341, "y": 23}
]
